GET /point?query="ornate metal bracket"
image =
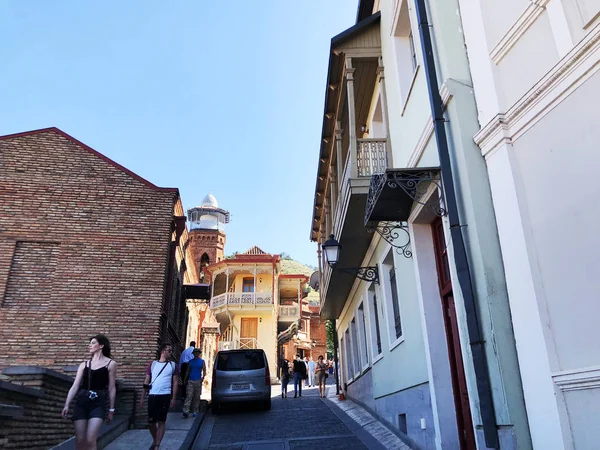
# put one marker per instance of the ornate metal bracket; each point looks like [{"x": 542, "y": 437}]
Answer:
[
  {"x": 391, "y": 232},
  {"x": 369, "y": 273},
  {"x": 416, "y": 185}
]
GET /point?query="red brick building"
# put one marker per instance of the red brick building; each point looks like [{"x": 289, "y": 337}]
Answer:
[{"x": 86, "y": 247}]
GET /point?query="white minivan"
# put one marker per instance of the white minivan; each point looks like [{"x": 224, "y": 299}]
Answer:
[{"x": 241, "y": 376}]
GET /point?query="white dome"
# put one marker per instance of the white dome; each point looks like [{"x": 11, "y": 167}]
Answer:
[{"x": 209, "y": 200}]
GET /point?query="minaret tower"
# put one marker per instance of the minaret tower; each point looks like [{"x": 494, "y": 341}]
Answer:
[{"x": 207, "y": 233}]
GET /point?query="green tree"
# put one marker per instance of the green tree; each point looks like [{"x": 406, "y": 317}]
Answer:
[{"x": 330, "y": 331}]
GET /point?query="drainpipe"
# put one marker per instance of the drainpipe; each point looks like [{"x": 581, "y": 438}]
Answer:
[{"x": 482, "y": 376}]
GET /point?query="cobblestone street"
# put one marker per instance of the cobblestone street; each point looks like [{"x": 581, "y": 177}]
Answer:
[{"x": 305, "y": 422}]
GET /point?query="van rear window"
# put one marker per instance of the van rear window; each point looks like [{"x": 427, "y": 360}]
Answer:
[{"x": 241, "y": 361}]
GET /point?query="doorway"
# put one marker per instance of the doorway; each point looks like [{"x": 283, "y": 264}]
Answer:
[
  {"x": 249, "y": 332},
  {"x": 464, "y": 420}
]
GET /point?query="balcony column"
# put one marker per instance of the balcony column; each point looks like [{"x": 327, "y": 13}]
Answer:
[
  {"x": 349, "y": 72},
  {"x": 328, "y": 220},
  {"x": 332, "y": 188},
  {"x": 255, "y": 281},
  {"x": 212, "y": 287},
  {"x": 226, "y": 285},
  {"x": 339, "y": 154},
  {"x": 384, "y": 109}
]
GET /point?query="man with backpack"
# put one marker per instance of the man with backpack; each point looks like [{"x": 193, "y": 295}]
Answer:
[{"x": 161, "y": 386}]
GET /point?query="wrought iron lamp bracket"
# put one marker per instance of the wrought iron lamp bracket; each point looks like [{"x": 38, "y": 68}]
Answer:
[
  {"x": 369, "y": 273},
  {"x": 391, "y": 232}
]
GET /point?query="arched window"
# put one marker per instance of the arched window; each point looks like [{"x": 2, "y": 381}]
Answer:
[{"x": 204, "y": 260}]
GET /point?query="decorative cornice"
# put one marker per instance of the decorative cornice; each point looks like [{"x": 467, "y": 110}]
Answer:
[
  {"x": 518, "y": 29},
  {"x": 576, "y": 380},
  {"x": 571, "y": 72}
]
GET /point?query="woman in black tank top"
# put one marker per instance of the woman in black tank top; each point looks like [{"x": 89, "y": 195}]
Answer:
[{"x": 94, "y": 384}]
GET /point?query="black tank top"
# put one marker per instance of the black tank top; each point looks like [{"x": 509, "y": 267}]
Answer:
[{"x": 98, "y": 378}]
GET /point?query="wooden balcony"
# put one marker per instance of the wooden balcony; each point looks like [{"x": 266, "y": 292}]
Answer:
[
  {"x": 241, "y": 300},
  {"x": 348, "y": 220},
  {"x": 289, "y": 313}
]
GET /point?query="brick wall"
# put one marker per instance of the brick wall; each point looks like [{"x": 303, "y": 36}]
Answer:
[
  {"x": 211, "y": 242},
  {"x": 84, "y": 248},
  {"x": 37, "y": 396},
  {"x": 318, "y": 333}
]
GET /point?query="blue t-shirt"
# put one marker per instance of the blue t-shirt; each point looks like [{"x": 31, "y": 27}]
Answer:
[{"x": 196, "y": 365}]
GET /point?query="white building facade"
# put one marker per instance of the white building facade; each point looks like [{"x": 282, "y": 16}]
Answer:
[
  {"x": 535, "y": 75},
  {"x": 404, "y": 342}
]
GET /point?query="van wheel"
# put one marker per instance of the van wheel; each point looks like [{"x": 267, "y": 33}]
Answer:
[
  {"x": 267, "y": 405},
  {"x": 215, "y": 408}
]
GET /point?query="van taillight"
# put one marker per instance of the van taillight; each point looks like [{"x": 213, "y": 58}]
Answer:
[
  {"x": 214, "y": 376},
  {"x": 268, "y": 380}
]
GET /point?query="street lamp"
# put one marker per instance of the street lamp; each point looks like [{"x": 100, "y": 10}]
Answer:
[{"x": 332, "y": 248}]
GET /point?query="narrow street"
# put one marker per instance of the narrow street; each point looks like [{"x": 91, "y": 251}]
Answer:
[{"x": 307, "y": 422}]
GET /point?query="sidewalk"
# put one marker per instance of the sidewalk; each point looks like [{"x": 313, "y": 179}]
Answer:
[
  {"x": 357, "y": 418},
  {"x": 177, "y": 431}
]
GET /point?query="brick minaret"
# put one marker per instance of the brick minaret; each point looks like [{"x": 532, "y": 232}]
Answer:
[{"x": 207, "y": 233}]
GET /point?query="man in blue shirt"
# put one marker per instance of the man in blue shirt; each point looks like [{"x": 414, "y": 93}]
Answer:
[
  {"x": 194, "y": 377},
  {"x": 184, "y": 359}
]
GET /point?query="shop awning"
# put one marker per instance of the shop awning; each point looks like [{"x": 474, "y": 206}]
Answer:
[
  {"x": 196, "y": 291},
  {"x": 392, "y": 194}
]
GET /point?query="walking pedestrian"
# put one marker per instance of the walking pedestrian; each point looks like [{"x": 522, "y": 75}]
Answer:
[
  {"x": 184, "y": 359},
  {"x": 94, "y": 382},
  {"x": 193, "y": 380},
  {"x": 311, "y": 372},
  {"x": 322, "y": 375},
  {"x": 299, "y": 373},
  {"x": 161, "y": 385},
  {"x": 285, "y": 377},
  {"x": 331, "y": 367}
]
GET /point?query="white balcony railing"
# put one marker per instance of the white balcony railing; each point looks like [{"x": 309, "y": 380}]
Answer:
[
  {"x": 371, "y": 157},
  {"x": 241, "y": 299},
  {"x": 248, "y": 343},
  {"x": 238, "y": 344},
  {"x": 227, "y": 345},
  {"x": 289, "y": 312}
]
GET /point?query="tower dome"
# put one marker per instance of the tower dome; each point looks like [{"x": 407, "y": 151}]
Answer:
[
  {"x": 210, "y": 201},
  {"x": 208, "y": 216}
]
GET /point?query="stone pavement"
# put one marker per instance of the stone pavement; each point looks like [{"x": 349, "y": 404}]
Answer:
[
  {"x": 177, "y": 430},
  {"x": 365, "y": 420},
  {"x": 303, "y": 423}
]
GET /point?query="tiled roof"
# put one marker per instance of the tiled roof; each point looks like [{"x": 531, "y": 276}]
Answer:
[{"x": 255, "y": 251}]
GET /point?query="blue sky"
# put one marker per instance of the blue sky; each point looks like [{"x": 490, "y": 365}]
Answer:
[{"x": 223, "y": 97}]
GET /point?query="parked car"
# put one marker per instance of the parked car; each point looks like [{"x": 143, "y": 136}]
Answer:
[{"x": 241, "y": 376}]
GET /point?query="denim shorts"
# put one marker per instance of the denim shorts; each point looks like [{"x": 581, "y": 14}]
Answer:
[{"x": 86, "y": 409}]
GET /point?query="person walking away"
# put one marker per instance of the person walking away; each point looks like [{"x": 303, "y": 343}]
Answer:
[
  {"x": 94, "y": 382},
  {"x": 321, "y": 371},
  {"x": 184, "y": 360},
  {"x": 331, "y": 367},
  {"x": 193, "y": 380},
  {"x": 161, "y": 384},
  {"x": 285, "y": 377},
  {"x": 311, "y": 372},
  {"x": 306, "y": 376},
  {"x": 299, "y": 373}
]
